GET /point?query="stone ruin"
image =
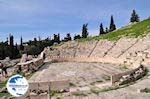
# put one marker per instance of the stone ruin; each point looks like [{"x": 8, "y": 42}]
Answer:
[
  {"x": 129, "y": 76},
  {"x": 28, "y": 64},
  {"x": 136, "y": 61},
  {"x": 137, "y": 58},
  {"x": 41, "y": 90},
  {"x": 99, "y": 51}
]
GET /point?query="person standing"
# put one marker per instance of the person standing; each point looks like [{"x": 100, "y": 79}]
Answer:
[
  {"x": 4, "y": 69},
  {"x": 1, "y": 68},
  {"x": 1, "y": 72}
]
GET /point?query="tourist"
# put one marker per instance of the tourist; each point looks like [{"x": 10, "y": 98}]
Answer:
[
  {"x": 4, "y": 69},
  {"x": 1, "y": 66}
]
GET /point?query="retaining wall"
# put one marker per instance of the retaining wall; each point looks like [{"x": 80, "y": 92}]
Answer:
[
  {"x": 128, "y": 76},
  {"x": 28, "y": 66}
]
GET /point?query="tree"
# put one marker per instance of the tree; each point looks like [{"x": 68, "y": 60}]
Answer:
[
  {"x": 6, "y": 41},
  {"x": 101, "y": 30},
  {"x": 11, "y": 45},
  {"x": 56, "y": 38},
  {"x": 134, "y": 17},
  {"x": 112, "y": 26},
  {"x": 35, "y": 41},
  {"x": 2, "y": 50},
  {"x": 85, "y": 31},
  {"x": 77, "y": 37},
  {"x": 67, "y": 38},
  {"x": 21, "y": 44},
  {"x": 33, "y": 50},
  {"x": 16, "y": 51},
  {"x": 106, "y": 30},
  {"x": 39, "y": 38}
]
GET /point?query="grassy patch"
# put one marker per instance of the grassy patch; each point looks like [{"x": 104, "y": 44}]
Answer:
[
  {"x": 2, "y": 84},
  {"x": 4, "y": 94}
]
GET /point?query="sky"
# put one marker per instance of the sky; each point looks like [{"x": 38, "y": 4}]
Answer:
[{"x": 34, "y": 18}]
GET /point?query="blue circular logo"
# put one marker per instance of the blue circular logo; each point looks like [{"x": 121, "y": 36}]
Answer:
[{"x": 17, "y": 85}]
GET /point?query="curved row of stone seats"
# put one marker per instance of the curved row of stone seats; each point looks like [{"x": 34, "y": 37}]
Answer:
[
  {"x": 138, "y": 58},
  {"x": 29, "y": 66},
  {"x": 50, "y": 52},
  {"x": 116, "y": 49},
  {"x": 86, "y": 59},
  {"x": 68, "y": 49},
  {"x": 85, "y": 48},
  {"x": 102, "y": 47},
  {"x": 121, "y": 46},
  {"x": 141, "y": 45}
]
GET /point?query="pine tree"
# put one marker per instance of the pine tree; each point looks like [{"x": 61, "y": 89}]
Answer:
[
  {"x": 101, "y": 31},
  {"x": 106, "y": 30},
  {"x": 77, "y": 37},
  {"x": 134, "y": 17},
  {"x": 68, "y": 37},
  {"x": 85, "y": 31},
  {"x": 21, "y": 44},
  {"x": 112, "y": 25}
]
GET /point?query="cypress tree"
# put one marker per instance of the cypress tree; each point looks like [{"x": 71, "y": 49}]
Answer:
[
  {"x": 134, "y": 17},
  {"x": 85, "y": 31},
  {"x": 58, "y": 38},
  {"x": 21, "y": 44},
  {"x": 16, "y": 51},
  {"x": 35, "y": 41},
  {"x": 55, "y": 38},
  {"x": 11, "y": 45},
  {"x": 112, "y": 24},
  {"x": 101, "y": 31}
]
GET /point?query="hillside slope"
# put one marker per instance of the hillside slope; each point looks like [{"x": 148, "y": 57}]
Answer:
[{"x": 131, "y": 30}]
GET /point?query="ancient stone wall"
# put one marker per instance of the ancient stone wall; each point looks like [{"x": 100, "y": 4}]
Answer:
[
  {"x": 41, "y": 90},
  {"x": 128, "y": 76},
  {"x": 29, "y": 66}
]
